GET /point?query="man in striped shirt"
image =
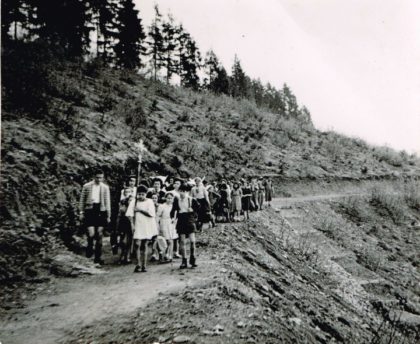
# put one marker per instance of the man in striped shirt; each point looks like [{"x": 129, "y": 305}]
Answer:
[{"x": 95, "y": 212}]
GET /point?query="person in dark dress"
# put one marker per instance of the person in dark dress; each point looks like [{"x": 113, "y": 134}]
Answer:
[
  {"x": 223, "y": 204},
  {"x": 246, "y": 199}
]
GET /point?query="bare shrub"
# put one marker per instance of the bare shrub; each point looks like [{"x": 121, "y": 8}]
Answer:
[
  {"x": 388, "y": 155},
  {"x": 412, "y": 194},
  {"x": 371, "y": 260},
  {"x": 388, "y": 204},
  {"x": 290, "y": 127},
  {"x": 354, "y": 209},
  {"x": 133, "y": 112}
]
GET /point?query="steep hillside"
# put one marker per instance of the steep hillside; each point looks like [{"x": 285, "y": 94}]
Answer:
[{"x": 78, "y": 116}]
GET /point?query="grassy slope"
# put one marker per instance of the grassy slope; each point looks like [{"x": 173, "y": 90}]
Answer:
[{"x": 45, "y": 161}]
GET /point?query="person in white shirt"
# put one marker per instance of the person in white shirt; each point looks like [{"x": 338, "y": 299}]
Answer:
[
  {"x": 142, "y": 212},
  {"x": 95, "y": 212}
]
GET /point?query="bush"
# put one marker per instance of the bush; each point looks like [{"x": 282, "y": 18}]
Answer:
[
  {"x": 412, "y": 195},
  {"x": 26, "y": 69},
  {"x": 388, "y": 204},
  {"x": 389, "y": 156}
]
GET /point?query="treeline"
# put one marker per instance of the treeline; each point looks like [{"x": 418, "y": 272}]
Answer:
[{"x": 112, "y": 31}]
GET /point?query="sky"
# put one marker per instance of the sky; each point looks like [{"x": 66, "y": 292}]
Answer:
[{"x": 354, "y": 64}]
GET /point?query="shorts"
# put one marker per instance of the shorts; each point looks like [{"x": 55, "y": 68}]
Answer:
[
  {"x": 185, "y": 224},
  {"x": 95, "y": 217}
]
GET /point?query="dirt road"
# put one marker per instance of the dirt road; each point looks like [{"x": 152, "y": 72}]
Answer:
[{"x": 69, "y": 304}]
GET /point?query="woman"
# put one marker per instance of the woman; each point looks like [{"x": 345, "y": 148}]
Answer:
[
  {"x": 213, "y": 198},
  {"x": 186, "y": 212},
  {"x": 246, "y": 199},
  {"x": 223, "y": 205},
  {"x": 166, "y": 225},
  {"x": 141, "y": 212},
  {"x": 236, "y": 195},
  {"x": 261, "y": 193},
  {"x": 268, "y": 191}
]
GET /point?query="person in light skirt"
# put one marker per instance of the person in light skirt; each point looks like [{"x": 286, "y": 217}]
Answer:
[{"x": 141, "y": 212}]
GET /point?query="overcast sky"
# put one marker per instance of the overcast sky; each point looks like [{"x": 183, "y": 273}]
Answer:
[{"x": 355, "y": 64}]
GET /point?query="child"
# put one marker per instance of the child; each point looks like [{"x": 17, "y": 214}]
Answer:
[
  {"x": 167, "y": 225},
  {"x": 236, "y": 195},
  {"x": 141, "y": 212},
  {"x": 246, "y": 199},
  {"x": 186, "y": 210},
  {"x": 200, "y": 194},
  {"x": 223, "y": 208}
]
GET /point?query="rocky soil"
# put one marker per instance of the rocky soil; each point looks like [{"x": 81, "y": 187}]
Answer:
[{"x": 284, "y": 276}]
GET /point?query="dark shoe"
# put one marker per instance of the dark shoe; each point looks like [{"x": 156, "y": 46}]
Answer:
[
  {"x": 89, "y": 252},
  {"x": 184, "y": 264},
  {"x": 143, "y": 269},
  {"x": 137, "y": 268},
  {"x": 99, "y": 261},
  {"x": 192, "y": 262},
  {"x": 153, "y": 259}
]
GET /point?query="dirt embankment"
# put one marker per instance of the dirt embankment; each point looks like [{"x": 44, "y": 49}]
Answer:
[{"x": 284, "y": 276}]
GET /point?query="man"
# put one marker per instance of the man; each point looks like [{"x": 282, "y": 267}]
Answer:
[
  {"x": 95, "y": 211},
  {"x": 199, "y": 193}
]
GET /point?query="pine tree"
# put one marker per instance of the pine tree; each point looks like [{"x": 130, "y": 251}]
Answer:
[
  {"x": 189, "y": 60},
  {"x": 103, "y": 14},
  {"x": 64, "y": 23},
  {"x": 169, "y": 45},
  {"x": 13, "y": 12},
  {"x": 155, "y": 43},
  {"x": 211, "y": 69},
  {"x": 130, "y": 37},
  {"x": 220, "y": 84},
  {"x": 239, "y": 83},
  {"x": 290, "y": 102}
]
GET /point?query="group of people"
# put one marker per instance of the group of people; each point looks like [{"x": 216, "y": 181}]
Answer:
[{"x": 165, "y": 213}]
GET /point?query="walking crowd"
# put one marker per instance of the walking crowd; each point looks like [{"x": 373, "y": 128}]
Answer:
[{"x": 165, "y": 213}]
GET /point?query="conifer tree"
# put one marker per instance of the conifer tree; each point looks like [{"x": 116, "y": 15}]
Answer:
[
  {"x": 239, "y": 84},
  {"x": 169, "y": 45},
  {"x": 290, "y": 102},
  {"x": 211, "y": 69},
  {"x": 189, "y": 60},
  {"x": 221, "y": 82},
  {"x": 130, "y": 37},
  {"x": 155, "y": 43},
  {"x": 64, "y": 23},
  {"x": 103, "y": 17},
  {"x": 14, "y": 12}
]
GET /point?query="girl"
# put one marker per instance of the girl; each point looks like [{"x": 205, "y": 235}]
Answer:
[
  {"x": 186, "y": 210},
  {"x": 261, "y": 193},
  {"x": 246, "y": 199},
  {"x": 223, "y": 208},
  {"x": 141, "y": 212},
  {"x": 236, "y": 195},
  {"x": 213, "y": 198},
  {"x": 167, "y": 224}
]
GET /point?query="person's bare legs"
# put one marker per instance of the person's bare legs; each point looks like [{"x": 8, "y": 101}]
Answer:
[
  {"x": 90, "y": 239},
  {"x": 137, "y": 249},
  {"x": 98, "y": 245},
  {"x": 169, "y": 250},
  {"x": 143, "y": 254},
  {"x": 182, "y": 250},
  {"x": 192, "y": 250}
]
